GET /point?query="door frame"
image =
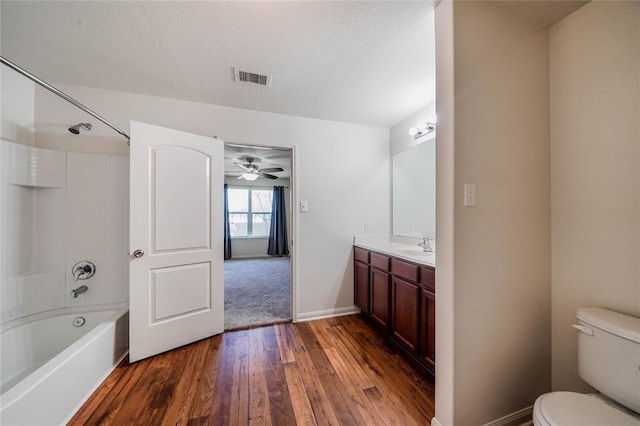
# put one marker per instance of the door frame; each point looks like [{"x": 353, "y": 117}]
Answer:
[{"x": 293, "y": 190}]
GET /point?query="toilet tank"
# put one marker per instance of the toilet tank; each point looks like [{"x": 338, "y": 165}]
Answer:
[{"x": 609, "y": 354}]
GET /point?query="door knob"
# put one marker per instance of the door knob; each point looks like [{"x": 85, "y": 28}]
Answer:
[{"x": 138, "y": 253}]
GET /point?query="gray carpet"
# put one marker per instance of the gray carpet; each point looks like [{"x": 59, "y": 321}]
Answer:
[{"x": 256, "y": 292}]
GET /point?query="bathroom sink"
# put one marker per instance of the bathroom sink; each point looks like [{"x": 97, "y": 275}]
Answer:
[{"x": 414, "y": 252}]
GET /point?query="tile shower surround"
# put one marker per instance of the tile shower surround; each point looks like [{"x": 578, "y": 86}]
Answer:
[{"x": 58, "y": 209}]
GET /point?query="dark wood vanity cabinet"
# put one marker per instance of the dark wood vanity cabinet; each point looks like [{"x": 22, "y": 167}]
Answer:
[
  {"x": 361, "y": 279},
  {"x": 399, "y": 297},
  {"x": 406, "y": 320},
  {"x": 379, "y": 289},
  {"x": 379, "y": 305},
  {"x": 362, "y": 286},
  {"x": 428, "y": 332}
]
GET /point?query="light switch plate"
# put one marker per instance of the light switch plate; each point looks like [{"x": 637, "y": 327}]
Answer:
[
  {"x": 304, "y": 206},
  {"x": 470, "y": 196}
]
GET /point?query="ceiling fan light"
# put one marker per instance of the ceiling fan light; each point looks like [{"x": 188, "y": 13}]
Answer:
[{"x": 250, "y": 176}]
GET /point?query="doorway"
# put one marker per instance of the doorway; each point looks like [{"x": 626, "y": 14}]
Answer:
[{"x": 259, "y": 261}]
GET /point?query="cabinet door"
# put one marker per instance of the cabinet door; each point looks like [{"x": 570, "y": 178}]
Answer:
[
  {"x": 405, "y": 314},
  {"x": 361, "y": 296},
  {"x": 379, "y": 305},
  {"x": 428, "y": 328}
]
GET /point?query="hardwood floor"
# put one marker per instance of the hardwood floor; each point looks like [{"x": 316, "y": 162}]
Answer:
[{"x": 337, "y": 371}]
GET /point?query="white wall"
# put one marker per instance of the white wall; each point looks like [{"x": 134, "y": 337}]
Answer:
[
  {"x": 445, "y": 210},
  {"x": 17, "y": 94},
  {"x": 331, "y": 160},
  {"x": 493, "y": 125},
  {"x": 595, "y": 169}
]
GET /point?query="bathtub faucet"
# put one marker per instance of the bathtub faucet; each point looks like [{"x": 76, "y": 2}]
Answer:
[
  {"x": 83, "y": 270},
  {"x": 76, "y": 291}
]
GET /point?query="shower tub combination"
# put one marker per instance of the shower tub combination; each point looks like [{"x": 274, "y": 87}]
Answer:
[
  {"x": 51, "y": 365},
  {"x": 52, "y": 361}
]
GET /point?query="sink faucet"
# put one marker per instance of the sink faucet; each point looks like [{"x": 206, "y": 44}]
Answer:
[
  {"x": 426, "y": 245},
  {"x": 76, "y": 291}
]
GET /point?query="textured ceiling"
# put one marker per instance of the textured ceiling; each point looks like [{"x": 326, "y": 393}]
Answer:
[{"x": 359, "y": 62}]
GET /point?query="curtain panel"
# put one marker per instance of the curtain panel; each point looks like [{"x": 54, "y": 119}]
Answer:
[
  {"x": 278, "y": 242},
  {"x": 227, "y": 228}
]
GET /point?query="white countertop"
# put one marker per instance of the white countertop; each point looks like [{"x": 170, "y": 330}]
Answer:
[{"x": 389, "y": 245}]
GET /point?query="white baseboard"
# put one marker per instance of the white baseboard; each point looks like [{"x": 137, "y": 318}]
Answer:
[
  {"x": 519, "y": 418},
  {"x": 327, "y": 313}
]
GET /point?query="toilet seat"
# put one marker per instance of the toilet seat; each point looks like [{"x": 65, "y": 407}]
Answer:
[{"x": 571, "y": 409}]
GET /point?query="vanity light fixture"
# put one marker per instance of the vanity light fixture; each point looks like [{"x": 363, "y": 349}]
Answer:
[
  {"x": 250, "y": 176},
  {"x": 418, "y": 132}
]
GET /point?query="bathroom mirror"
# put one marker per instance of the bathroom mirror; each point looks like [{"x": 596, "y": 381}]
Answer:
[{"x": 414, "y": 190}]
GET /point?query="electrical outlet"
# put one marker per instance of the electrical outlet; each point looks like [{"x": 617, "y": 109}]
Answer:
[
  {"x": 367, "y": 228},
  {"x": 470, "y": 196}
]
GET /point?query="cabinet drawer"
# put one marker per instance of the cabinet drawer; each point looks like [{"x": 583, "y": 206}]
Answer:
[
  {"x": 405, "y": 270},
  {"x": 428, "y": 278},
  {"x": 361, "y": 255},
  {"x": 379, "y": 261}
]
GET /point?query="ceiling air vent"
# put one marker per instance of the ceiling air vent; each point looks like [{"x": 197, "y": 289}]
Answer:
[{"x": 250, "y": 77}]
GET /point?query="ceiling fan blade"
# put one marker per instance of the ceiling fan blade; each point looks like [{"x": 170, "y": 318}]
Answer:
[
  {"x": 268, "y": 176},
  {"x": 242, "y": 166},
  {"x": 272, "y": 169},
  {"x": 240, "y": 177}
]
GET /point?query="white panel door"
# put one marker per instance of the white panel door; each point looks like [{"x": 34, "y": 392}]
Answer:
[{"x": 176, "y": 239}]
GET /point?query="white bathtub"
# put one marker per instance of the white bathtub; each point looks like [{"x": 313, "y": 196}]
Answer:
[{"x": 50, "y": 367}]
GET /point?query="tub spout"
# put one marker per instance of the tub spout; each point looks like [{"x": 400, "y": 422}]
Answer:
[{"x": 76, "y": 291}]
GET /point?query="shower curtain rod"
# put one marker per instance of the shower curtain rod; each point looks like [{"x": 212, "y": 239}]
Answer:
[{"x": 61, "y": 94}]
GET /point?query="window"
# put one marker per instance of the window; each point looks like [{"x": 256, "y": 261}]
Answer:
[{"x": 250, "y": 212}]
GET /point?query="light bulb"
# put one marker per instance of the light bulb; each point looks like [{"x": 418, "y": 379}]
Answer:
[{"x": 413, "y": 131}]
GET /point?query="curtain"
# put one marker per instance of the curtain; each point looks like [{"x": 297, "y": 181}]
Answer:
[
  {"x": 227, "y": 229},
  {"x": 278, "y": 244}
]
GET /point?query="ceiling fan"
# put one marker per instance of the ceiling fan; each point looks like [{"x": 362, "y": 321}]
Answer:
[{"x": 252, "y": 172}]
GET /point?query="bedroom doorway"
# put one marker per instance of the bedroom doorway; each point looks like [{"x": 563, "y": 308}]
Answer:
[{"x": 259, "y": 227}]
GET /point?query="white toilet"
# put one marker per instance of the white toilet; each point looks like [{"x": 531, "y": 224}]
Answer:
[{"x": 609, "y": 360}]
